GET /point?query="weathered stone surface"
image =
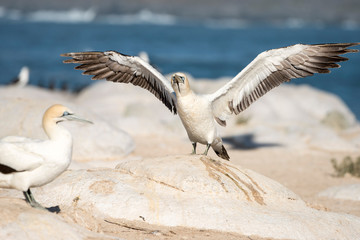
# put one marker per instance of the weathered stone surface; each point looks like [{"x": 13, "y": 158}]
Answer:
[
  {"x": 131, "y": 108},
  {"x": 347, "y": 192},
  {"x": 300, "y": 117},
  {"x": 196, "y": 191},
  {"x": 18, "y": 221}
]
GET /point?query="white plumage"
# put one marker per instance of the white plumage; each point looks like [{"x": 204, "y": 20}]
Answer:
[
  {"x": 23, "y": 78},
  {"x": 27, "y": 163},
  {"x": 199, "y": 113}
]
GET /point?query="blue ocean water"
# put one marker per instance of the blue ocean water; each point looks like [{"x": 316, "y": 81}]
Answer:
[{"x": 205, "y": 50}]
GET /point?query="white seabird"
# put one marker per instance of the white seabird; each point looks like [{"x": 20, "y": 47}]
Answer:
[
  {"x": 23, "y": 78},
  {"x": 144, "y": 56},
  {"x": 27, "y": 163},
  {"x": 199, "y": 113}
]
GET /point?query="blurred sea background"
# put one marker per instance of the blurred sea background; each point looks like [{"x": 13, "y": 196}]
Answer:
[{"x": 207, "y": 39}]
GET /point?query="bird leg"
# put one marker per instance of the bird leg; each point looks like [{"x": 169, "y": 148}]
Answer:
[
  {"x": 194, "y": 148},
  {"x": 29, "y": 197},
  {"x": 31, "y": 200},
  {"x": 207, "y": 149}
]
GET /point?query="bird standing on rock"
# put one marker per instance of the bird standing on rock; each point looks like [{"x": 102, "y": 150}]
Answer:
[
  {"x": 27, "y": 163},
  {"x": 199, "y": 113},
  {"x": 23, "y": 78}
]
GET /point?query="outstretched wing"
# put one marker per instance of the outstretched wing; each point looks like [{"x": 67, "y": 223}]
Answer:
[
  {"x": 116, "y": 67},
  {"x": 269, "y": 69}
]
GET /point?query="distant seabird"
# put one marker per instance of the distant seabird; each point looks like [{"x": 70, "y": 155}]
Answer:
[
  {"x": 27, "y": 163},
  {"x": 144, "y": 56},
  {"x": 23, "y": 78},
  {"x": 199, "y": 113}
]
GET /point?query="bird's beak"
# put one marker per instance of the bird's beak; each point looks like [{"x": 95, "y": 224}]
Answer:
[
  {"x": 73, "y": 117},
  {"x": 177, "y": 83},
  {"x": 176, "y": 79}
]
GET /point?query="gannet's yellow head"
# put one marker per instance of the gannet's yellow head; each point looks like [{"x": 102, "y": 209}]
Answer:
[
  {"x": 58, "y": 113},
  {"x": 180, "y": 83}
]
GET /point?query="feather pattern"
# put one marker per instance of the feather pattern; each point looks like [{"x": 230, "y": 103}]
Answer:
[
  {"x": 117, "y": 67},
  {"x": 271, "y": 68}
]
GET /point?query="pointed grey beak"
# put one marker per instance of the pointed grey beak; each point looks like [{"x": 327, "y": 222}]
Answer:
[
  {"x": 73, "y": 117},
  {"x": 177, "y": 79}
]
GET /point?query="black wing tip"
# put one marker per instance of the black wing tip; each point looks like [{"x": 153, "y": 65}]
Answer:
[
  {"x": 72, "y": 54},
  {"x": 76, "y": 57},
  {"x": 223, "y": 154},
  {"x": 80, "y": 55},
  {"x": 4, "y": 169},
  {"x": 341, "y": 47},
  {"x": 71, "y": 60},
  {"x": 348, "y": 44}
]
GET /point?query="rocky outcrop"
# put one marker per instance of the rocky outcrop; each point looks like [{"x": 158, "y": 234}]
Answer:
[
  {"x": 199, "y": 192},
  {"x": 18, "y": 221},
  {"x": 346, "y": 192}
]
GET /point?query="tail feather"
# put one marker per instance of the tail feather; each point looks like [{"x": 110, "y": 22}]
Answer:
[
  {"x": 220, "y": 150},
  {"x": 223, "y": 154}
]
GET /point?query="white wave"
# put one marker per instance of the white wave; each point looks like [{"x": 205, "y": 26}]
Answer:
[
  {"x": 350, "y": 25},
  {"x": 12, "y": 14},
  {"x": 70, "y": 16},
  {"x": 2, "y": 12},
  {"x": 143, "y": 17},
  {"x": 226, "y": 23},
  {"x": 295, "y": 23}
]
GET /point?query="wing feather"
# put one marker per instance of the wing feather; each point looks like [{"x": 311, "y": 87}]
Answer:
[
  {"x": 116, "y": 67},
  {"x": 271, "y": 68},
  {"x": 18, "y": 157}
]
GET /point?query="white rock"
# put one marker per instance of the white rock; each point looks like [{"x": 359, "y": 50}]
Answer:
[
  {"x": 299, "y": 103},
  {"x": 21, "y": 115},
  {"x": 300, "y": 117},
  {"x": 347, "y": 192},
  {"x": 195, "y": 191},
  {"x": 131, "y": 108},
  {"x": 19, "y": 221}
]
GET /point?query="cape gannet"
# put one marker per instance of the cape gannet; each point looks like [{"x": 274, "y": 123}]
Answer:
[
  {"x": 199, "y": 113},
  {"x": 23, "y": 78},
  {"x": 27, "y": 163}
]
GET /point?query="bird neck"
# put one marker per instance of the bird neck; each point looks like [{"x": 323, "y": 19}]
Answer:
[
  {"x": 56, "y": 132},
  {"x": 184, "y": 92}
]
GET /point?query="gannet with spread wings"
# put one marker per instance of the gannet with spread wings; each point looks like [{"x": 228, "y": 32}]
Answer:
[{"x": 199, "y": 113}]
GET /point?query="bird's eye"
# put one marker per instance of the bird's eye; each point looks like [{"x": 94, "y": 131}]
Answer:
[
  {"x": 65, "y": 113},
  {"x": 182, "y": 78}
]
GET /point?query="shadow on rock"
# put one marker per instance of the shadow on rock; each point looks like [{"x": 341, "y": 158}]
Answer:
[{"x": 247, "y": 141}]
